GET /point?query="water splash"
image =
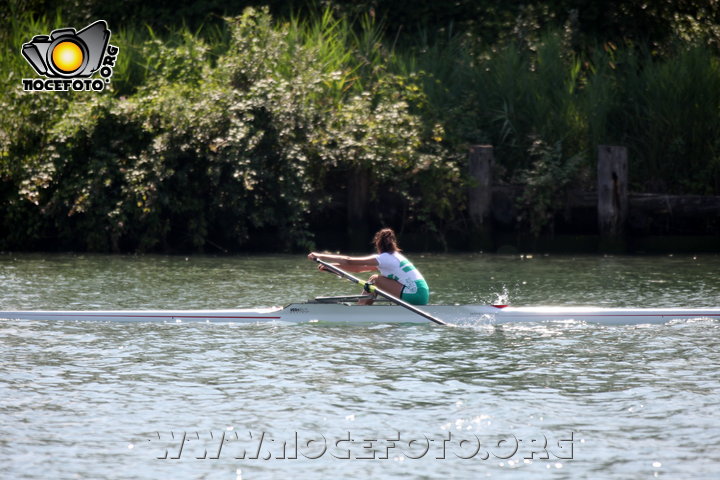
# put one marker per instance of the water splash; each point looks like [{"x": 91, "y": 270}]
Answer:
[{"x": 502, "y": 298}]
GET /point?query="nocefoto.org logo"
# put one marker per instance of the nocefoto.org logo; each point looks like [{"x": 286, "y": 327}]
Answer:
[{"x": 68, "y": 59}]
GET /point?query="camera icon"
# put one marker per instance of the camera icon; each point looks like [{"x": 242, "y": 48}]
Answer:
[{"x": 67, "y": 53}]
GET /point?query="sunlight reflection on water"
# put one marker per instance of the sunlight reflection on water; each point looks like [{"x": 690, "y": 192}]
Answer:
[{"x": 76, "y": 395}]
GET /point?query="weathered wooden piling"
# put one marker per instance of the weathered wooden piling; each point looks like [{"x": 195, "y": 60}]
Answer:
[
  {"x": 357, "y": 209},
  {"x": 481, "y": 159},
  {"x": 612, "y": 186}
]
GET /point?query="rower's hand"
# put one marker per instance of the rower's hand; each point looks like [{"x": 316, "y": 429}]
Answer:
[{"x": 313, "y": 256}]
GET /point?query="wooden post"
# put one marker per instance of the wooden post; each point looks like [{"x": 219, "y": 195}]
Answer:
[
  {"x": 612, "y": 173},
  {"x": 357, "y": 209},
  {"x": 481, "y": 160}
]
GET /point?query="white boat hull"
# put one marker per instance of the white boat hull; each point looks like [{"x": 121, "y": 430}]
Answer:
[{"x": 344, "y": 313}]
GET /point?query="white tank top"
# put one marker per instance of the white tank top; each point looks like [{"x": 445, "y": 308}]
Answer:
[{"x": 397, "y": 267}]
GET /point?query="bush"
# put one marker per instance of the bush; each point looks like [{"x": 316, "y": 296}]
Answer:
[
  {"x": 242, "y": 135},
  {"x": 215, "y": 150}
]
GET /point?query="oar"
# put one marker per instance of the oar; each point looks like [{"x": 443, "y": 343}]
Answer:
[{"x": 373, "y": 289}]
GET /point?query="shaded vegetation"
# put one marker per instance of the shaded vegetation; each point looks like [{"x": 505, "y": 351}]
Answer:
[{"x": 243, "y": 131}]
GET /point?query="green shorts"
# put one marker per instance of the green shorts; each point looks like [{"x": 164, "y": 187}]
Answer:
[{"x": 421, "y": 297}]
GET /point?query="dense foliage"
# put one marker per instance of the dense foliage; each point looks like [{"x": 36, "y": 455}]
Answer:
[{"x": 249, "y": 132}]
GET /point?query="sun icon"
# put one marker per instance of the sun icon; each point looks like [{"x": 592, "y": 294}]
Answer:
[{"x": 67, "y": 56}]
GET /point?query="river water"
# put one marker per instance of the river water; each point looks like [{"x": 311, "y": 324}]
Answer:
[{"x": 222, "y": 401}]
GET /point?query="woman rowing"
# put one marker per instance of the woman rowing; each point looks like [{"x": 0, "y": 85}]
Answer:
[{"x": 398, "y": 276}]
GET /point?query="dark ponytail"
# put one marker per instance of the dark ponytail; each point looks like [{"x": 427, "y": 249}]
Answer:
[{"x": 385, "y": 241}]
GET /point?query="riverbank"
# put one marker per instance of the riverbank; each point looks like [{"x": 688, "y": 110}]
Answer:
[{"x": 277, "y": 134}]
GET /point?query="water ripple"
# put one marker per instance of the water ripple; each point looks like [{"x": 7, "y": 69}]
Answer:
[{"x": 101, "y": 400}]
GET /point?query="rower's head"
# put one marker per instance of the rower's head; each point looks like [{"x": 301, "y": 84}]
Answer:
[{"x": 386, "y": 241}]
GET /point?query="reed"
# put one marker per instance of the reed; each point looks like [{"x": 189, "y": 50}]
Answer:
[
  {"x": 20, "y": 29},
  {"x": 677, "y": 134}
]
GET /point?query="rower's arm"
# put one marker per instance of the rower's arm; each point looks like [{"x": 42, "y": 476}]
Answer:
[
  {"x": 351, "y": 264},
  {"x": 359, "y": 268}
]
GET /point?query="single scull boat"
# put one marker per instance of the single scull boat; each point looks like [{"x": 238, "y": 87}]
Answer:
[
  {"x": 340, "y": 310},
  {"x": 345, "y": 310}
]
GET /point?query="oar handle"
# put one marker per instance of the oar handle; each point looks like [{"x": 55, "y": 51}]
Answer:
[{"x": 374, "y": 289}]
